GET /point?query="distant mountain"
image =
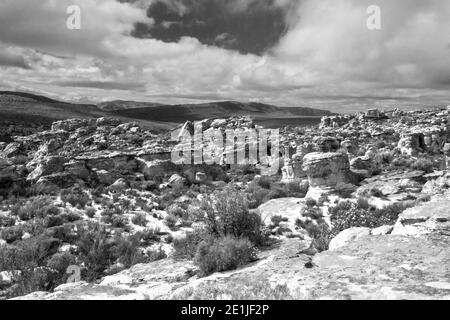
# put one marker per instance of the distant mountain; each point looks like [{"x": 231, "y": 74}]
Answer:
[
  {"x": 124, "y": 105},
  {"x": 29, "y": 109},
  {"x": 25, "y": 108},
  {"x": 225, "y": 109},
  {"x": 6, "y": 96}
]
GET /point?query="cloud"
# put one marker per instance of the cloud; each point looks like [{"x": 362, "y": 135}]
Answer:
[
  {"x": 115, "y": 85},
  {"x": 9, "y": 58},
  {"x": 327, "y": 57}
]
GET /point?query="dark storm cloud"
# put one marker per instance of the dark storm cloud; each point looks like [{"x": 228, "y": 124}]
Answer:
[{"x": 247, "y": 26}]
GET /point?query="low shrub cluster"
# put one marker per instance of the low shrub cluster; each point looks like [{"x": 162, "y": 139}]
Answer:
[{"x": 230, "y": 236}]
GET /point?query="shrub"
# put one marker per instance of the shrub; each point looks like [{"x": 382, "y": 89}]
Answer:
[
  {"x": 26, "y": 261},
  {"x": 265, "y": 182},
  {"x": 6, "y": 221},
  {"x": 119, "y": 221},
  {"x": 320, "y": 233},
  {"x": 126, "y": 249},
  {"x": 59, "y": 262},
  {"x": 171, "y": 221},
  {"x": 277, "y": 219},
  {"x": 277, "y": 192},
  {"x": 227, "y": 253},
  {"x": 226, "y": 213},
  {"x": 156, "y": 254},
  {"x": 257, "y": 195},
  {"x": 75, "y": 196},
  {"x": 95, "y": 250},
  {"x": 12, "y": 234},
  {"x": 185, "y": 248},
  {"x": 344, "y": 192},
  {"x": 362, "y": 203},
  {"x": 310, "y": 202},
  {"x": 347, "y": 215},
  {"x": 90, "y": 212},
  {"x": 423, "y": 164},
  {"x": 38, "y": 207},
  {"x": 139, "y": 219},
  {"x": 384, "y": 158}
]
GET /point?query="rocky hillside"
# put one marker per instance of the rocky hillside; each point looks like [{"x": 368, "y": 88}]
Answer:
[
  {"x": 32, "y": 113},
  {"x": 195, "y": 112},
  {"x": 357, "y": 210}
]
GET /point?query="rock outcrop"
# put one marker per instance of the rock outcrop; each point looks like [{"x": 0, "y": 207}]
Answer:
[{"x": 326, "y": 172}]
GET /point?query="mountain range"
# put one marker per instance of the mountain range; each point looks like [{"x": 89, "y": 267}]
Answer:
[{"x": 26, "y": 107}]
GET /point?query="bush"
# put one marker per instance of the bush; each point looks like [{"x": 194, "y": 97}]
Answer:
[
  {"x": 320, "y": 233},
  {"x": 226, "y": 213},
  {"x": 347, "y": 215},
  {"x": 423, "y": 164},
  {"x": 119, "y": 221},
  {"x": 90, "y": 212},
  {"x": 171, "y": 221},
  {"x": 127, "y": 250},
  {"x": 227, "y": 253},
  {"x": 76, "y": 197},
  {"x": 59, "y": 262},
  {"x": 12, "y": 234},
  {"x": 139, "y": 219},
  {"x": 265, "y": 182},
  {"x": 38, "y": 207},
  {"x": 6, "y": 221},
  {"x": 310, "y": 202},
  {"x": 26, "y": 262},
  {"x": 95, "y": 250},
  {"x": 185, "y": 248}
]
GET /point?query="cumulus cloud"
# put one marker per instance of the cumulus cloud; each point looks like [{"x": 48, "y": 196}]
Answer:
[{"x": 327, "y": 58}]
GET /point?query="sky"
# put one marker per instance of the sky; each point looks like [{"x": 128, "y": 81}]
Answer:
[{"x": 313, "y": 53}]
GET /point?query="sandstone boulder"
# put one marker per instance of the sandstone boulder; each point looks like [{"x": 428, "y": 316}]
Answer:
[
  {"x": 327, "y": 172},
  {"x": 347, "y": 236}
]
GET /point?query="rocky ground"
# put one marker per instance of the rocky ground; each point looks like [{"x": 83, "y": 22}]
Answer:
[{"x": 359, "y": 210}]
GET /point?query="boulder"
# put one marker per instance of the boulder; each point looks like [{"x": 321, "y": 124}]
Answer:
[
  {"x": 383, "y": 230},
  {"x": 326, "y": 172},
  {"x": 201, "y": 177},
  {"x": 411, "y": 143},
  {"x": 176, "y": 181},
  {"x": 347, "y": 236}
]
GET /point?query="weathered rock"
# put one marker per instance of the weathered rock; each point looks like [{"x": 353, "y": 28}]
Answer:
[
  {"x": 49, "y": 165},
  {"x": 383, "y": 230},
  {"x": 326, "y": 169},
  {"x": 200, "y": 177},
  {"x": 411, "y": 144},
  {"x": 290, "y": 208},
  {"x": 431, "y": 217},
  {"x": 77, "y": 168},
  {"x": 72, "y": 124},
  {"x": 369, "y": 268},
  {"x": 347, "y": 236},
  {"x": 176, "y": 181},
  {"x": 327, "y": 172}
]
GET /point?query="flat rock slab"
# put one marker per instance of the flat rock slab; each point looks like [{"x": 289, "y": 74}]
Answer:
[
  {"x": 430, "y": 217},
  {"x": 373, "y": 267},
  {"x": 290, "y": 208}
]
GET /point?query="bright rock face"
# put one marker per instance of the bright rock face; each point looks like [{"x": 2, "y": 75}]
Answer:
[
  {"x": 432, "y": 217},
  {"x": 326, "y": 169}
]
